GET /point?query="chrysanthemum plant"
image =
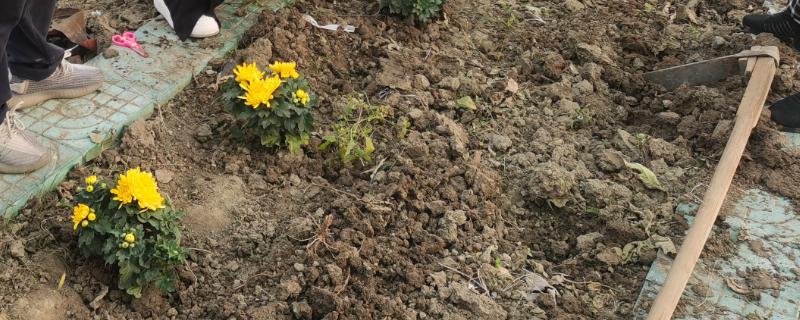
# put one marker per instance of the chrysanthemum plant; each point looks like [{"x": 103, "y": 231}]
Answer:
[
  {"x": 423, "y": 10},
  {"x": 275, "y": 107},
  {"x": 131, "y": 227}
]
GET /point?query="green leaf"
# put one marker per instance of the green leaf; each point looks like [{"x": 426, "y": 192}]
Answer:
[
  {"x": 135, "y": 291},
  {"x": 646, "y": 175},
  {"x": 127, "y": 272},
  {"x": 466, "y": 103},
  {"x": 369, "y": 147}
]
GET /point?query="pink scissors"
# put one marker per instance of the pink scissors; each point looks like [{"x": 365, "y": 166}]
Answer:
[{"x": 128, "y": 40}]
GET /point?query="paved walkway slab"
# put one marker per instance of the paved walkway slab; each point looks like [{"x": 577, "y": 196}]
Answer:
[
  {"x": 134, "y": 87},
  {"x": 760, "y": 280}
]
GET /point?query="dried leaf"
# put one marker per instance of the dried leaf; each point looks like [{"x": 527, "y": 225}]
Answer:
[
  {"x": 736, "y": 287},
  {"x": 559, "y": 203},
  {"x": 594, "y": 286},
  {"x": 632, "y": 251},
  {"x": 665, "y": 244},
  {"x": 96, "y": 137},
  {"x": 537, "y": 283},
  {"x": 646, "y": 175},
  {"x": 72, "y": 23},
  {"x": 61, "y": 280},
  {"x": 512, "y": 86}
]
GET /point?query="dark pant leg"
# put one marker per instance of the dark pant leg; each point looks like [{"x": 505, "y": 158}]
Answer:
[
  {"x": 10, "y": 15},
  {"x": 794, "y": 8},
  {"x": 185, "y": 13},
  {"x": 30, "y": 56}
]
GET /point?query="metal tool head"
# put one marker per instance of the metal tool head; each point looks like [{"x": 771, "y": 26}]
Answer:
[{"x": 710, "y": 71}]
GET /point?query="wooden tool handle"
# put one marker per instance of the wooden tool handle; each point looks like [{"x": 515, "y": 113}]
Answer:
[{"x": 746, "y": 118}]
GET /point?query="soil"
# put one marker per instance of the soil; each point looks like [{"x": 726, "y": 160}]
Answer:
[{"x": 515, "y": 203}]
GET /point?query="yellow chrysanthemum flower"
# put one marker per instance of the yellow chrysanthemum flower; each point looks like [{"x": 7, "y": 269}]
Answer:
[
  {"x": 261, "y": 91},
  {"x": 79, "y": 215},
  {"x": 141, "y": 187},
  {"x": 92, "y": 216},
  {"x": 130, "y": 238},
  {"x": 246, "y": 73},
  {"x": 301, "y": 96},
  {"x": 91, "y": 180},
  {"x": 285, "y": 69},
  {"x": 89, "y": 188}
]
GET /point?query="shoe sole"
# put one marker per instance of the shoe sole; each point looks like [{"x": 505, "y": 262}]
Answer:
[
  {"x": 201, "y": 36},
  {"x": 43, "y": 161},
  {"x": 24, "y": 101}
]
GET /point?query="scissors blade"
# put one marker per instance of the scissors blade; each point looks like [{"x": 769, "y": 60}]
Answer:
[{"x": 140, "y": 51}]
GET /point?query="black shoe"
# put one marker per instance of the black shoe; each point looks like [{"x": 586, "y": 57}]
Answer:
[
  {"x": 786, "y": 112},
  {"x": 780, "y": 24}
]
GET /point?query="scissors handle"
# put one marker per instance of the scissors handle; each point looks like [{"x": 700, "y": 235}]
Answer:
[{"x": 127, "y": 39}]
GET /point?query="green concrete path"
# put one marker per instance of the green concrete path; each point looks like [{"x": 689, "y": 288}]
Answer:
[
  {"x": 134, "y": 86},
  {"x": 765, "y": 231}
]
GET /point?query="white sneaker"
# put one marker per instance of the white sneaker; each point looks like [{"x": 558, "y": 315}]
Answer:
[
  {"x": 20, "y": 152},
  {"x": 67, "y": 82},
  {"x": 206, "y": 26}
]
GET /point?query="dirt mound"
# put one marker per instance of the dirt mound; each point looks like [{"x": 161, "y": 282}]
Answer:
[
  {"x": 217, "y": 198},
  {"x": 49, "y": 304}
]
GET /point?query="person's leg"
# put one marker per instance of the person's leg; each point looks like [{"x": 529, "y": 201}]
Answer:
[
  {"x": 786, "y": 112},
  {"x": 10, "y": 14},
  {"x": 190, "y": 18},
  {"x": 782, "y": 24},
  {"x": 39, "y": 71},
  {"x": 20, "y": 151},
  {"x": 30, "y": 56},
  {"x": 794, "y": 8}
]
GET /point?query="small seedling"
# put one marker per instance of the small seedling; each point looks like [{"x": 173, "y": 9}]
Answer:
[
  {"x": 404, "y": 126},
  {"x": 582, "y": 119},
  {"x": 352, "y": 134}
]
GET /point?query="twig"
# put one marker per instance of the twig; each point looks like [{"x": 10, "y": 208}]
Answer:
[
  {"x": 201, "y": 250},
  {"x": 96, "y": 302},
  {"x": 194, "y": 281},
  {"x": 344, "y": 285},
  {"x": 479, "y": 283},
  {"x": 350, "y": 194},
  {"x": 248, "y": 280}
]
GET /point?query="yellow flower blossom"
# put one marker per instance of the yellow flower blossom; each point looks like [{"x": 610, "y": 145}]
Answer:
[
  {"x": 130, "y": 238},
  {"x": 89, "y": 188},
  {"x": 301, "y": 96},
  {"x": 138, "y": 186},
  {"x": 92, "y": 216},
  {"x": 124, "y": 245},
  {"x": 261, "y": 91},
  {"x": 91, "y": 180},
  {"x": 246, "y": 73},
  {"x": 285, "y": 69},
  {"x": 79, "y": 215}
]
